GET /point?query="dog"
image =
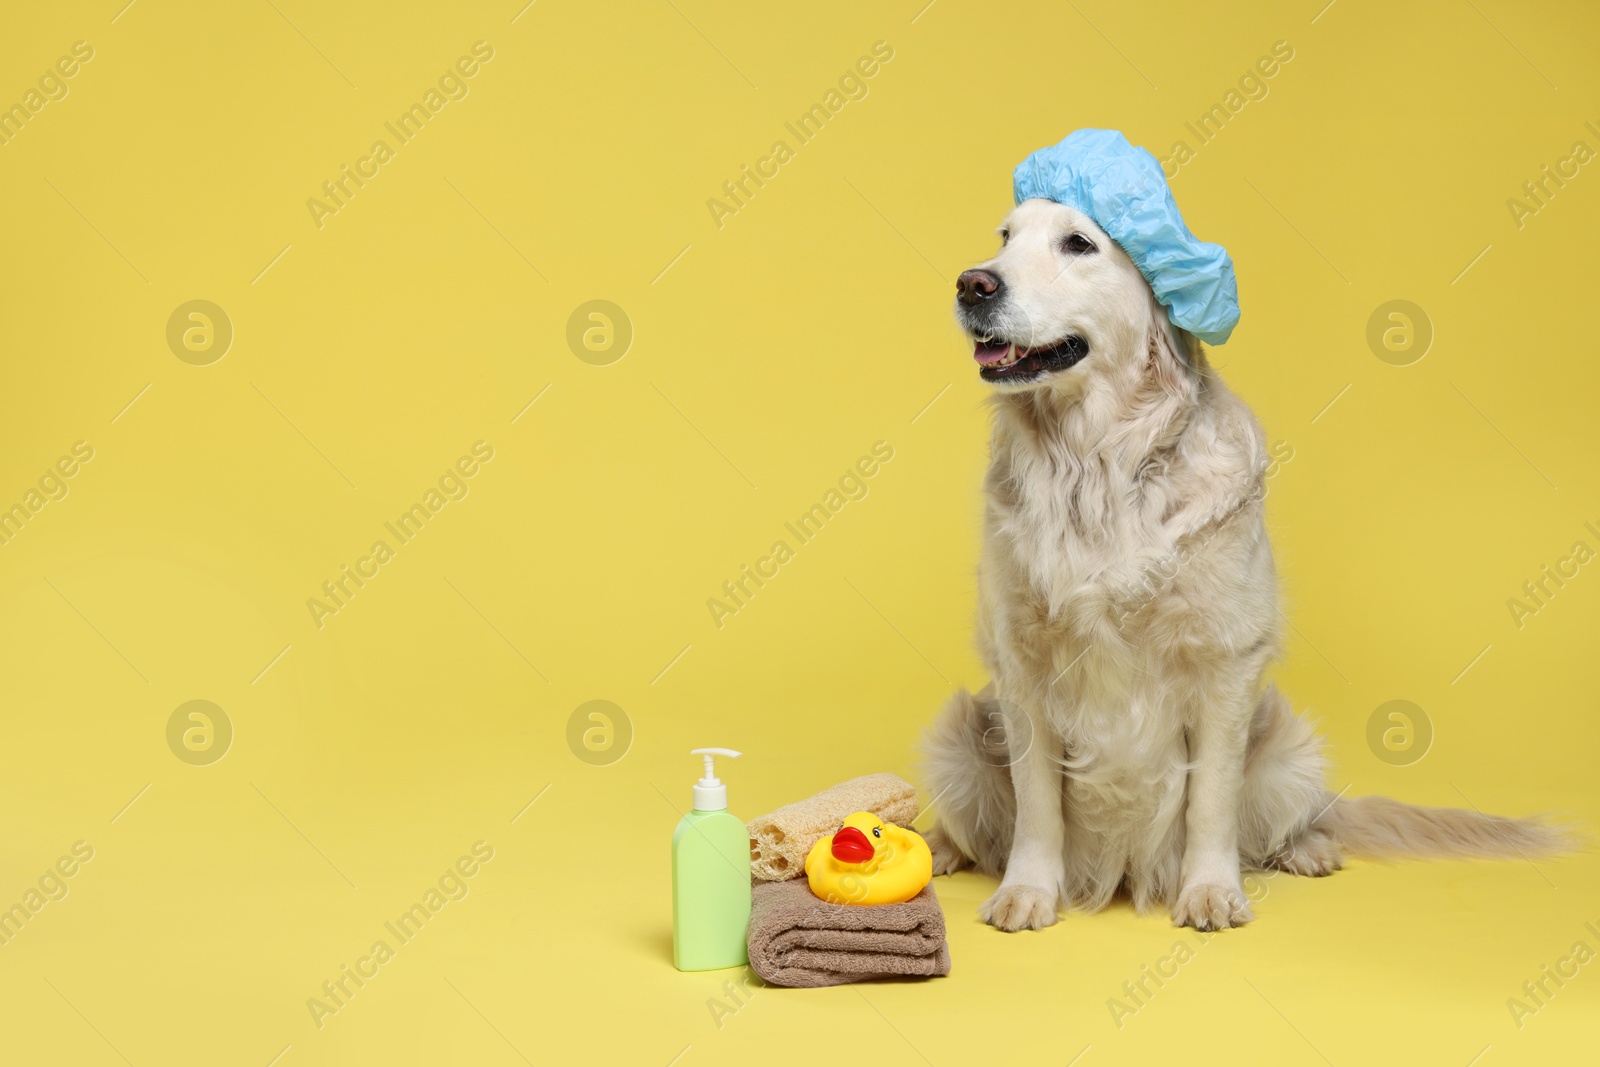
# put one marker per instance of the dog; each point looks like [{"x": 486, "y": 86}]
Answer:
[{"x": 1127, "y": 613}]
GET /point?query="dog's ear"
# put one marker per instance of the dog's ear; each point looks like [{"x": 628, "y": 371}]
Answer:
[{"x": 1173, "y": 353}]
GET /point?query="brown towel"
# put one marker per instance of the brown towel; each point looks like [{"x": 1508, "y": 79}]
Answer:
[
  {"x": 799, "y": 940},
  {"x": 780, "y": 842}
]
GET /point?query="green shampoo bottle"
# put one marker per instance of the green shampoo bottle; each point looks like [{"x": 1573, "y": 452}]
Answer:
[{"x": 710, "y": 878}]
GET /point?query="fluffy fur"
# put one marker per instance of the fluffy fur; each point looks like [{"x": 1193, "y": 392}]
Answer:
[{"x": 1127, "y": 613}]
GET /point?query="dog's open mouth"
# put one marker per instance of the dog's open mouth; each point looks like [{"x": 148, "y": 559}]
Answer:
[{"x": 1002, "y": 361}]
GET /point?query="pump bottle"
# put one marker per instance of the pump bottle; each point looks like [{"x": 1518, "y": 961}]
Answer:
[{"x": 710, "y": 878}]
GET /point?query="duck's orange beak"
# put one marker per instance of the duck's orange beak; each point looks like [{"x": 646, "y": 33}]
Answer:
[{"x": 851, "y": 846}]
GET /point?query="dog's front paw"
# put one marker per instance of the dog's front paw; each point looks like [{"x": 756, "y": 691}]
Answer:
[
  {"x": 1211, "y": 907},
  {"x": 1019, "y": 907}
]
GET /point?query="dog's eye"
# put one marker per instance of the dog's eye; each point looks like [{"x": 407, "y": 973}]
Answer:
[
  {"x": 1005, "y": 237},
  {"x": 1078, "y": 245}
]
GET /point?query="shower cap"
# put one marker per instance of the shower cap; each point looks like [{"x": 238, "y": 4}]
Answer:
[{"x": 1123, "y": 189}]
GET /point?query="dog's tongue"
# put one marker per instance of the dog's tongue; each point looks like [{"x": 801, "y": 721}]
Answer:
[{"x": 987, "y": 353}]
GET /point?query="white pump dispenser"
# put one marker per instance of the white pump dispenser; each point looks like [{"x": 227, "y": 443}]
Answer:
[{"x": 709, "y": 792}]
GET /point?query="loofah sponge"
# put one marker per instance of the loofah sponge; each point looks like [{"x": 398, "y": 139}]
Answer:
[{"x": 780, "y": 842}]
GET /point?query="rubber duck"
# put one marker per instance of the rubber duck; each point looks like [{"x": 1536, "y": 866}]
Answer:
[{"x": 869, "y": 861}]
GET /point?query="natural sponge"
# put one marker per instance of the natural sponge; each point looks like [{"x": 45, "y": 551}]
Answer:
[{"x": 780, "y": 842}]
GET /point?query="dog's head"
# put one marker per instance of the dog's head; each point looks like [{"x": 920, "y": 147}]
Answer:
[{"x": 1061, "y": 306}]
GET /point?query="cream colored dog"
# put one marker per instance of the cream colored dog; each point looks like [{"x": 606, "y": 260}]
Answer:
[{"x": 1127, "y": 612}]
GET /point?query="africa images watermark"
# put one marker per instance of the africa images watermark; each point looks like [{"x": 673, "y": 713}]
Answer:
[
  {"x": 52, "y": 485},
  {"x": 1138, "y": 992},
  {"x": 1252, "y": 87},
  {"x": 337, "y": 192},
  {"x": 1541, "y": 190},
  {"x": 1552, "y": 578},
  {"x": 738, "y": 591},
  {"x": 739, "y": 191},
  {"x": 51, "y": 886},
  {"x": 1158, "y": 575},
  {"x": 1537, "y": 993},
  {"x": 51, "y": 86},
  {"x": 745, "y": 983},
  {"x": 452, "y": 885},
  {"x": 339, "y": 591}
]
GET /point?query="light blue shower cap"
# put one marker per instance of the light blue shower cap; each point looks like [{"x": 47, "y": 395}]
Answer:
[{"x": 1123, "y": 189}]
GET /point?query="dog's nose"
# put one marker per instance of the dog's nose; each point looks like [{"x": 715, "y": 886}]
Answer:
[{"x": 976, "y": 286}]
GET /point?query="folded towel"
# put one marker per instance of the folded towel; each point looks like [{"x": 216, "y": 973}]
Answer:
[
  {"x": 780, "y": 842},
  {"x": 798, "y": 940}
]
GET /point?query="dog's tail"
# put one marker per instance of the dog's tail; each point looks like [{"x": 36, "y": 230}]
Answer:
[{"x": 1381, "y": 828}]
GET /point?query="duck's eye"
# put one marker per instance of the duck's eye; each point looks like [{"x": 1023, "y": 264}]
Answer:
[
  {"x": 1078, "y": 245},
  {"x": 877, "y": 831}
]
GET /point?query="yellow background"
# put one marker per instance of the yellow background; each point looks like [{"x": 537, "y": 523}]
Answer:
[{"x": 767, "y": 356}]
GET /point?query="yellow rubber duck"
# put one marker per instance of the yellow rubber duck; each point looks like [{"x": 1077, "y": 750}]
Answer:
[{"x": 869, "y": 861}]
